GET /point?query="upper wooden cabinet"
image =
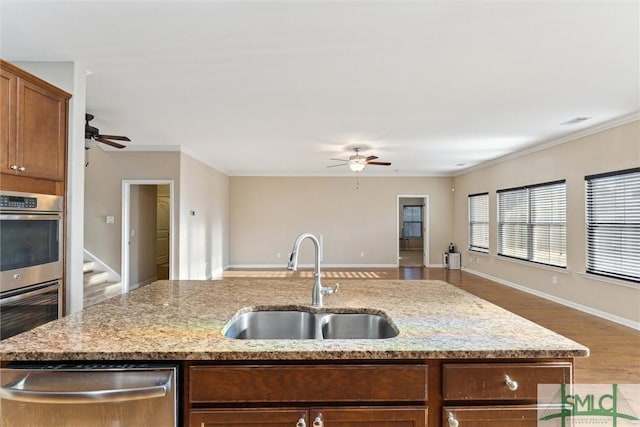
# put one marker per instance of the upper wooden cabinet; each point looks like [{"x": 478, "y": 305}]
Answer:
[{"x": 33, "y": 126}]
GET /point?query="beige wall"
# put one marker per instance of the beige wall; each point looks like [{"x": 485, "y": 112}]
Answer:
[
  {"x": 204, "y": 238},
  {"x": 142, "y": 247},
  {"x": 610, "y": 150},
  {"x": 268, "y": 213},
  {"x": 103, "y": 194}
]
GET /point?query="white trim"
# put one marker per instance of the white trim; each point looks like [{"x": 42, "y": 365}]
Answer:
[
  {"x": 284, "y": 266},
  {"x": 618, "y": 121},
  {"x": 113, "y": 275},
  {"x": 126, "y": 220},
  {"x": 611, "y": 280},
  {"x": 143, "y": 283},
  {"x": 425, "y": 225},
  {"x": 571, "y": 304}
]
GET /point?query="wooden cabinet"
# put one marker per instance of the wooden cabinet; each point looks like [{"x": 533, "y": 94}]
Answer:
[
  {"x": 311, "y": 394},
  {"x": 33, "y": 131},
  {"x": 312, "y": 417},
  {"x": 490, "y": 394},
  {"x": 503, "y": 416}
]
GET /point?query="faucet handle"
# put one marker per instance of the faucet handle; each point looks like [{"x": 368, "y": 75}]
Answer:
[{"x": 330, "y": 290}]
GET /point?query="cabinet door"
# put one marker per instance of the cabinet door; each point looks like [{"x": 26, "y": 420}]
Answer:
[
  {"x": 7, "y": 120},
  {"x": 248, "y": 417},
  {"x": 369, "y": 417},
  {"x": 41, "y": 132},
  {"x": 492, "y": 416}
]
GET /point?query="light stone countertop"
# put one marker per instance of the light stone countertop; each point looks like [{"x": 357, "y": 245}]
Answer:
[{"x": 183, "y": 320}]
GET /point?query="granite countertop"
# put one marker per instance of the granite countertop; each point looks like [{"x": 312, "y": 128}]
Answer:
[{"x": 183, "y": 320}]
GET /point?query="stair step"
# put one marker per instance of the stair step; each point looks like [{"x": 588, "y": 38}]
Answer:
[
  {"x": 88, "y": 266},
  {"x": 95, "y": 277},
  {"x": 100, "y": 292}
]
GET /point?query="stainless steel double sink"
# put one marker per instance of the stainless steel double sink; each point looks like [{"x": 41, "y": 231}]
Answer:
[{"x": 300, "y": 325}]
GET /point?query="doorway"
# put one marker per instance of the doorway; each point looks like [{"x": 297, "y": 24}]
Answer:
[
  {"x": 412, "y": 232},
  {"x": 147, "y": 232}
]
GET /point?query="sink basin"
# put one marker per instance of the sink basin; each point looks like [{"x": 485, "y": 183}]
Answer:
[
  {"x": 357, "y": 326},
  {"x": 299, "y": 325},
  {"x": 270, "y": 325}
]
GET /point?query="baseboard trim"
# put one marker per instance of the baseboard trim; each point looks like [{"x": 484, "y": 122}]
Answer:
[
  {"x": 284, "y": 266},
  {"x": 565, "y": 302},
  {"x": 143, "y": 283}
]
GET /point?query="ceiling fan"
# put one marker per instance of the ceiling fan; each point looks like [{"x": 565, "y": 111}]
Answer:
[
  {"x": 91, "y": 132},
  {"x": 357, "y": 162}
]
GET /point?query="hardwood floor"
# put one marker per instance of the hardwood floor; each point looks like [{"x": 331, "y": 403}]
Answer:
[{"x": 615, "y": 349}]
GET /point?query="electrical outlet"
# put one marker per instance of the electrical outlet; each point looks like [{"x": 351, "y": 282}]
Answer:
[
  {"x": 477, "y": 260},
  {"x": 279, "y": 255},
  {"x": 554, "y": 280},
  {"x": 361, "y": 254}
]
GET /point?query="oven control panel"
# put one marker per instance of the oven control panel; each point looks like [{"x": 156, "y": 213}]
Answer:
[{"x": 19, "y": 202}]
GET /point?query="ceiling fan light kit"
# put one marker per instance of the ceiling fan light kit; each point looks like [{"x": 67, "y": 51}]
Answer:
[{"x": 357, "y": 162}]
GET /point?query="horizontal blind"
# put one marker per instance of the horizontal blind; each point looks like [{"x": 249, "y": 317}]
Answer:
[
  {"x": 532, "y": 223},
  {"x": 479, "y": 222},
  {"x": 613, "y": 224},
  {"x": 412, "y": 221}
]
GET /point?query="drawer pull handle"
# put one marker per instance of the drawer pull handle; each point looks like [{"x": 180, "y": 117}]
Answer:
[
  {"x": 452, "y": 420},
  {"x": 301, "y": 423},
  {"x": 511, "y": 384},
  {"x": 318, "y": 422}
]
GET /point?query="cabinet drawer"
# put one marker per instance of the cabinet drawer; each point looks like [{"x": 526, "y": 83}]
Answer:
[
  {"x": 308, "y": 383},
  {"x": 491, "y": 416},
  {"x": 274, "y": 417},
  {"x": 501, "y": 381}
]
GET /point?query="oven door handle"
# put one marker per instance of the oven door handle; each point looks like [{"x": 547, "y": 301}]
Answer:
[
  {"x": 31, "y": 216},
  {"x": 29, "y": 294},
  {"x": 16, "y": 392}
]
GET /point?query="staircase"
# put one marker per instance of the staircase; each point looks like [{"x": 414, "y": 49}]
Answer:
[{"x": 97, "y": 286}]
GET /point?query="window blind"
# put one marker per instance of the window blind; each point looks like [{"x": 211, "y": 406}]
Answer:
[
  {"x": 613, "y": 224},
  {"x": 479, "y": 222},
  {"x": 532, "y": 223},
  {"x": 412, "y": 221}
]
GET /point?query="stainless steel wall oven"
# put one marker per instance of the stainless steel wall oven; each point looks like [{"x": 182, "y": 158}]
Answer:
[{"x": 31, "y": 260}]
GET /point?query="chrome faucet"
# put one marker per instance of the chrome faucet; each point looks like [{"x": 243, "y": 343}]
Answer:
[{"x": 318, "y": 289}]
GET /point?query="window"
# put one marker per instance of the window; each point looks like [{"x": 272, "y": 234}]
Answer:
[
  {"x": 412, "y": 221},
  {"x": 613, "y": 224},
  {"x": 532, "y": 223},
  {"x": 479, "y": 222}
]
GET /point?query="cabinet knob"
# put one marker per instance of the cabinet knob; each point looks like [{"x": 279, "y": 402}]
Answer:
[
  {"x": 13, "y": 167},
  {"x": 301, "y": 423},
  {"x": 511, "y": 384},
  {"x": 452, "y": 420},
  {"x": 22, "y": 168},
  {"x": 317, "y": 422}
]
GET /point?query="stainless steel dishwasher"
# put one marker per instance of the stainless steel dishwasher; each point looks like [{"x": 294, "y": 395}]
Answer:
[{"x": 122, "y": 395}]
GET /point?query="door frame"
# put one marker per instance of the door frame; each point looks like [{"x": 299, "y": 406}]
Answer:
[
  {"x": 126, "y": 222},
  {"x": 425, "y": 226}
]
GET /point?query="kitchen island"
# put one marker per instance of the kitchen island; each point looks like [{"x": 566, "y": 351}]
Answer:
[{"x": 455, "y": 354}]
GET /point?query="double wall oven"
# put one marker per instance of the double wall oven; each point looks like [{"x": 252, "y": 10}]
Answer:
[{"x": 31, "y": 260}]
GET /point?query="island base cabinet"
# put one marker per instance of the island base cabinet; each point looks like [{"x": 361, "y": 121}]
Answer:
[
  {"x": 316, "y": 417},
  {"x": 503, "y": 416}
]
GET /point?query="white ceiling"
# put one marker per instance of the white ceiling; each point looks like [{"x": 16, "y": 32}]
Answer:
[{"x": 278, "y": 88}]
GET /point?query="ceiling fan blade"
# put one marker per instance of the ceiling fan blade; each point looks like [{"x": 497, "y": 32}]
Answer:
[
  {"x": 371, "y": 158},
  {"x": 340, "y": 164},
  {"x": 111, "y": 143},
  {"x": 379, "y": 163},
  {"x": 116, "y": 137},
  {"x": 340, "y": 160}
]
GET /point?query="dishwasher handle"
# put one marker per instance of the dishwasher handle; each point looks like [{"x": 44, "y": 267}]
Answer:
[{"x": 18, "y": 392}]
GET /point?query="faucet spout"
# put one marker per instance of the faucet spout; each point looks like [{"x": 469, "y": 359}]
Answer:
[{"x": 318, "y": 289}]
